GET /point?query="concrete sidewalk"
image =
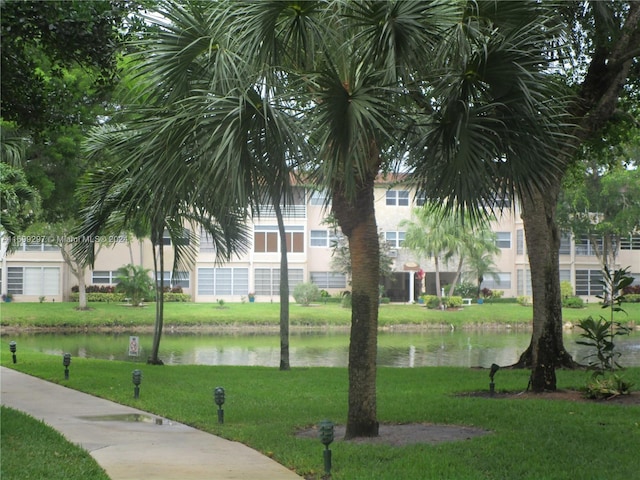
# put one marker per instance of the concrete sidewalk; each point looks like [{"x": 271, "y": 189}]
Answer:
[{"x": 131, "y": 444}]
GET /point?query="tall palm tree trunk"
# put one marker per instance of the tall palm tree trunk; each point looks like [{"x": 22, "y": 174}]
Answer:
[
  {"x": 356, "y": 218},
  {"x": 158, "y": 265},
  {"x": 284, "y": 289}
]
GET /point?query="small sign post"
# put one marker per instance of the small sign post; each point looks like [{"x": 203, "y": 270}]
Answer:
[{"x": 134, "y": 346}]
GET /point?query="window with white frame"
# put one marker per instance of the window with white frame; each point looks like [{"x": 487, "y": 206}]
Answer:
[
  {"x": 395, "y": 239},
  {"x": 206, "y": 242},
  {"x": 519, "y": 242},
  {"x": 223, "y": 281},
  {"x": 503, "y": 239},
  {"x": 329, "y": 279},
  {"x": 421, "y": 199},
  {"x": 503, "y": 281},
  {"x": 589, "y": 282},
  {"x": 585, "y": 247},
  {"x": 267, "y": 280},
  {"x": 319, "y": 197},
  {"x": 104, "y": 277},
  {"x": 37, "y": 247},
  {"x": 184, "y": 239},
  {"x": 33, "y": 280},
  {"x": 523, "y": 282},
  {"x": 398, "y": 197},
  {"x": 631, "y": 242},
  {"x": 177, "y": 279},
  {"x": 266, "y": 239},
  {"x": 322, "y": 238}
]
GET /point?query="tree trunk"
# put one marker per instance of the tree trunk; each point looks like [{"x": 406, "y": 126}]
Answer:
[
  {"x": 154, "y": 359},
  {"x": 284, "y": 289},
  {"x": 356, "y": 218},
  {"x": 546, "y": 351}
]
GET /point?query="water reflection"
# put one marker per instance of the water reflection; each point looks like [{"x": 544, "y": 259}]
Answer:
[{"x": 315, "y": 349}]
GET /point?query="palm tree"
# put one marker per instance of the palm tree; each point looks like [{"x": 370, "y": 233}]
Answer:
[
  {"x": 432, "y": 236},
  {"x": 480, "y": 250}
]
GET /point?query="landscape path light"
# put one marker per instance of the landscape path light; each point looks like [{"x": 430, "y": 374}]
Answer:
[
  {"x": 66, "y": 361},
  {"x": 136, "y": 377},
  {"x": 12, "y": 348},
  {"x": 325, "y": 432},
  {"x": 218, "y": 397}
]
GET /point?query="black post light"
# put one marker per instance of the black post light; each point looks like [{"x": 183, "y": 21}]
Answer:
[
  {"x": 66, "y": 361},
  {"x": 12, "y": 348},
  {"x": 325, "y": 432},
  {"x": 218, "y": 397},
  {"x": 492, "y": 372},
  {"x": 136, "y": 376}
]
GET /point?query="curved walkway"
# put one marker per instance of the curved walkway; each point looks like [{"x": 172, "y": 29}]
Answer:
[{"x": 131, "y": 444}]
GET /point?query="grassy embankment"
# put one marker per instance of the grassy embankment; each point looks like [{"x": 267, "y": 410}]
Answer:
[{"x": 193, "y": 315}]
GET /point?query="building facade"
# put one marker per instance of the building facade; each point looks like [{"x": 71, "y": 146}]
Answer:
[{"x": 36, "y": 271}]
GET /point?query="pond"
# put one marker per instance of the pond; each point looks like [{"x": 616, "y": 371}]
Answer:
[{"x": 319, "y": 348}]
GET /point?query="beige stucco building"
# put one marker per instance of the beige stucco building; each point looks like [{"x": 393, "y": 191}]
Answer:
[{"x": 36, "y": 269}]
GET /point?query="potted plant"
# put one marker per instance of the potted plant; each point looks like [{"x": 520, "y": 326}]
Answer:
[{"x": 252, "y": 297}]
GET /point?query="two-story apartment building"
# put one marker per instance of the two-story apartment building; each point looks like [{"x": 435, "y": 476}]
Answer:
[{"x": 36, "y": 269}]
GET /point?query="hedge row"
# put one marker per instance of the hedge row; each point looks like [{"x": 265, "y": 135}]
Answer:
[{"x": 120, "y": 297}]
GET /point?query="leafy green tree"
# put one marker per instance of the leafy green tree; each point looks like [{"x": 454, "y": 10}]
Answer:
[
  {"x": 429, "y": 235},
  {"x": 19, "y": 204},
  {"x": 135, "y": 282},
  {"x": 356, "y": 76},
  {"x": 604, "y": 43}
]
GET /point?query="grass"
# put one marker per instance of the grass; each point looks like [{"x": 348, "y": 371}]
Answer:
[
  {"x": 16, "y": 314},
  {"x": 49, "y": 454},
  {"x": 530, "y": 439}
]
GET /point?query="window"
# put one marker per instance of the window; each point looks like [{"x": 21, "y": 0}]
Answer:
[
  {"x": 630, "y": 243},
  {"x": 322, "y": 238},
  {"x": 565, "y": 275},
  {"x": 395, "y": 239},
  {"x": 503, "y": 239},
  {"x": 104, "y": 277},
  {"x": 37, "y": 247},
  {"x": 523, "y": 280},
  {"x": 520, "y": 242},
  {"x": 15, "y": 276},
  {"x": 33, "y": 280},
  {"x": 398, "y": 197},
  {"x": 319, "y": 197},
  {"x": 267, "y": 280},
  {"x": 589, "y": 282},
  {"x": 565, "y": 243},
  {"x": 206, "y": 242},
  {"x": 179, "y": 279},
  {"x": 329, "y": 279},
  {"x": 184, "y": 239},
  {"x": 585, "y": 247},
  {"x": 421, "y": 199},
  {"x": 223, "y": 281},
  {"x": 266, "y": 239},
  {"x": 502, "y": 282}
]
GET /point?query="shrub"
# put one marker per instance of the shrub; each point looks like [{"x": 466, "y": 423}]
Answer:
[
  {"x": 385, "y": 300},
  {"x": 432, "y": 301},
  {"x": 566, "y": 289},
  {"x": 572, "y": 302},
  {"x": 466, "y": 290},
  {"x": 524, "y": 300},
  {"x": 486, "y": 293},
  {"x": 632, "y": 298},
  {"x": 453, "y": 302},
  {"x": 305, "y": 293}
]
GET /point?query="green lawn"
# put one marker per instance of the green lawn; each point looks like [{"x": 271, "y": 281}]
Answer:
[
  {"x": 260, "y": 314},
  {"x": 32, "y": 450},
  {"x": 530, "y": 439}
]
